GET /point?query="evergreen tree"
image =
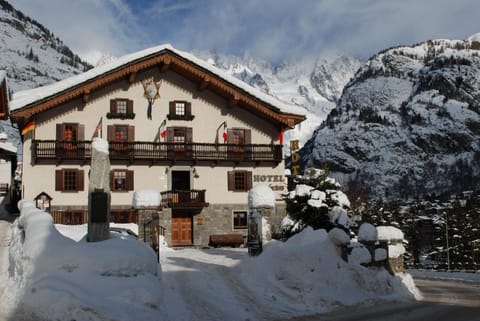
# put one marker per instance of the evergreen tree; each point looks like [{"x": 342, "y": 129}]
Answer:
[{"x": 316, "y": 200}]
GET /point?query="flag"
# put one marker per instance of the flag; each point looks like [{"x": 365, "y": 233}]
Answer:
[
  {"x": 163, "y": 129},
  {"x": 98, "y": 129},
  {"x": 280, "y": 136},
  {"x": 225, "y": 136},
  {"x": 28, "y": 127}
]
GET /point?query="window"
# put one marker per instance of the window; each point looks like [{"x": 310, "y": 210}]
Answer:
[
  {"x": 121, "y": 180},
  {"x": 239, "y": 181},
  {"x": 70, "y": 132},
  {"x": 180, "y": 110},
  {"x": 69, "y": 180},
  {"x": 121, "y": 108},
  {"x": 72, "y": 218},
  {"x": 182, "y": 139},
  {"x": 240, "y": 219}
]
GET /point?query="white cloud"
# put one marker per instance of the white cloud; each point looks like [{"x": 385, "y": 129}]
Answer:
[{"x": 271, "y": 29}]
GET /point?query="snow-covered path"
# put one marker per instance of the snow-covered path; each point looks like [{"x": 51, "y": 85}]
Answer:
[
  {"x": 194, "y": 279},
  {"x": 4, "y": 239}
]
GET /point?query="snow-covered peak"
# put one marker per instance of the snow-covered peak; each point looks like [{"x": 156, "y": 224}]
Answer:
[{"x": 474, "y": 37}]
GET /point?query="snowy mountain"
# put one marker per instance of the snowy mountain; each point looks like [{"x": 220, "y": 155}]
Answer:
[
  {"x": 407, "y": 124},
  {"x": 313, "y": 84},
  {"x": 32, "y": 56}
]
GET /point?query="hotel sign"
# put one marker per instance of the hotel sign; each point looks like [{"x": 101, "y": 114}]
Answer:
[{"x": 294, "y": 158}]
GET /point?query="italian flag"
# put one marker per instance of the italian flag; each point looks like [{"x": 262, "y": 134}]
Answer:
[{"x": 163, "y": 129}]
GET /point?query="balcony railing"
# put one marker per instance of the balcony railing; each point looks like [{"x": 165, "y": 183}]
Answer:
[
  {"x": 183, "y": 199},
  {"x": 45, "y": 151}
]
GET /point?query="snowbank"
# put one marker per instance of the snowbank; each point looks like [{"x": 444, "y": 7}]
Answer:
[
  {"x": 100, "y": 145},
  {"x": 53, "y": 277},
  {"x": 261, "y": 195},
  {"x": 316, "y": 273},
  {"x": 146, "y": 197}
]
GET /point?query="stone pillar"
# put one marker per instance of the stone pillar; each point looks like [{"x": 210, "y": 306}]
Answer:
[{"x": 99, "y": 192}]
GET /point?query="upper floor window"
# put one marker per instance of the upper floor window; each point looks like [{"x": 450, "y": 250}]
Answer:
[
  {"x": 239, "y": 181},
  {"x": 70, "y": 132},
  {"x": 69, "y": 180},
  {"x": 121, "y": 180},
  {"x": 121, "y": 133},
  {"x": 180, "y": 110},
  {"x": 121, "y": 108}
]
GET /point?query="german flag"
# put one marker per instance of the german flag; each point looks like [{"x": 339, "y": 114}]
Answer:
[{"x": 28, "y": 127}]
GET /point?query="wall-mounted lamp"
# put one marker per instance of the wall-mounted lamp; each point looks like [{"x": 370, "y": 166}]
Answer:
[{"x": 195, "y": 174}]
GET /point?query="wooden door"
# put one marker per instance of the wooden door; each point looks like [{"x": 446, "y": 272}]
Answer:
[{"x": 182, "y": 229}]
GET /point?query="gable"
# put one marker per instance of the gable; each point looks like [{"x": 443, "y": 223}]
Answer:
[{"x": 238, "y": 94}]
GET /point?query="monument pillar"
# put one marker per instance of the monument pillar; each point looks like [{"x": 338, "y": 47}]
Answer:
[{"x": 99, "y": 192}]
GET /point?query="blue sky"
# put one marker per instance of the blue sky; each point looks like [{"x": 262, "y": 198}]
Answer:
[{"x": 275, "y": 30}]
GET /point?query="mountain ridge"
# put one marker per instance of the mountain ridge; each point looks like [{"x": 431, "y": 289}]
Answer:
[{"x": 407, "y": 124}]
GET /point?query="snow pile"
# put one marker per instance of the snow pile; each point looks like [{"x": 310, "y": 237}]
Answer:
[
  {"x": 146, "y": 197},
  {"x": 316, "y": 279},
  {"x": 261, "y": 195},
  {"x": 389, "y": 233},
  {"x": 53, "y": 277},
  {"x": 367, "y": 233}
]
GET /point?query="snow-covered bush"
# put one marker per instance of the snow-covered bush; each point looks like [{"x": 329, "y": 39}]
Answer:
[{"x": 316, "y": 201}]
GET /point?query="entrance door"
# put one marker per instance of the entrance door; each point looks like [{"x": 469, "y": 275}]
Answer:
[{"x": 181, "y": 228}]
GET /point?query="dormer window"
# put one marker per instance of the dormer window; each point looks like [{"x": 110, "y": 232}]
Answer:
[
  {"x": 121, "y": 108},
  {"x": 180, "y": 110}
]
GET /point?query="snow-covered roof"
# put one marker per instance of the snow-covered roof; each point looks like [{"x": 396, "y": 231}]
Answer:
[
  {"x": 25, "y": 98},
  {"x": 3, "y": 75}
]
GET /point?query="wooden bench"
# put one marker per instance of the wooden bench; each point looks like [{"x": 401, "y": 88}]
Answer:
[{"x": 233, "y": 240}]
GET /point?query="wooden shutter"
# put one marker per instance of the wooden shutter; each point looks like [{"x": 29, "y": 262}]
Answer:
[
  {"x": 59, "y": 180},
  {"x": 247, "y": 136},
  {"x": 130, "y": 106},
  {"x": 81, "y": 132},
  {"x": 111, "y": 180},
  {"x": 60, "y": 130},
  {"x": 248, "y": 179},
  {"x": 111, "y": 133},
  {"x": 231, "y": 180},
  {"x": 188, "y": 109},
  {"x": 229, "y": 136},
  {"x": 170, "y": 133},
  {"x": 113, "y": 103},
  {"x": 171, "y": 108},
  {"x": 188, "y": 135},
  {"x": 129, "y": 181},
  {"x": 79, "y": 180},
  {"x": 131, "y": 134}
]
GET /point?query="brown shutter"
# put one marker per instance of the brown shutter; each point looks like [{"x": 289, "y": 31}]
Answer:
[
  {"x": 81, "y": 132},
  {"x": 229, "y": 136},
  {"x": 129, "y": 176},
  {"x": 79, "y": 180},
  {"x": 248, "y": 136},
  {"x": 248, "y": 180},
  {"x": 110, "y": 133},
  {"x": 112, "y": 105},
  {"x": 170, "y": 133},
  {"x": 188, "y": 109},
  {"x": 188, "y": 135},
  {"x": 111, "y": 180},
  {"x": 60, "y": 129},
  {"x": 130, "y": 106},
  {"x": 231, "y": 181},
  {"x": 59, "y": 180},
  {"x": 131, "y": 134},
  {"x": 171, "y": 108}
]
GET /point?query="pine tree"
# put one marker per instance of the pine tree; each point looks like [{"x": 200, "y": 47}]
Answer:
[{"x": 316, "y": 200}]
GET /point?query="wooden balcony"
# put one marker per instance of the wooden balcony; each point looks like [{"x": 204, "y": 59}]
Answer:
[
  {"x": 183, "y": 199},
  {"x": 52, "y": 151}
]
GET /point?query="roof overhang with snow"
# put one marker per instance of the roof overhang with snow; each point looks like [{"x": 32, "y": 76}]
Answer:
[
  {"x": 26, "y": 104},
  {"x": 3, "y": 96}
]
